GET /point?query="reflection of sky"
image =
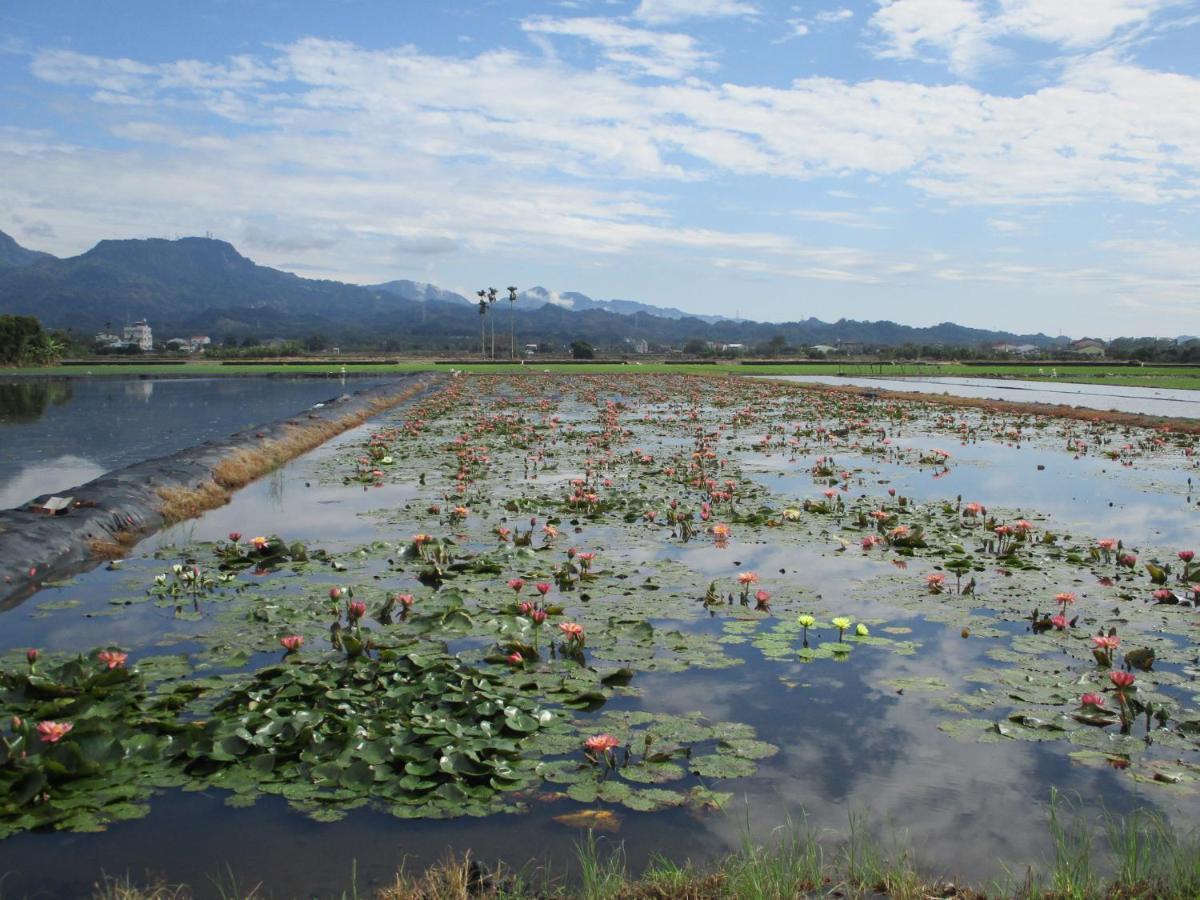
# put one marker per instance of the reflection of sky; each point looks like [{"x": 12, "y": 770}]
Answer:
[
  {"x": 1091, "y": 493},
  {"x": 847, "y": 745},
  {"x": 1151, "y": 401},
  {"x": 115, "y": 422},
  {"x": 25, "y": 482},
  {"x": 847, "y": 742}
]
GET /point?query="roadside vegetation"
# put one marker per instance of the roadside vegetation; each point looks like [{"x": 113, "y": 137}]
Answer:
[
  {"x": 1135, "y": 857},
  {"x": 1115, "y": 374}
]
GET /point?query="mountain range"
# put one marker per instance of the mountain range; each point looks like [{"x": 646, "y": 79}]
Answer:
[{"x": 193, "y": 286}]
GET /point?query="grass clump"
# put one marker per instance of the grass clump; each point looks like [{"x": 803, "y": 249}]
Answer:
[{"x": 1147, "y": 860}]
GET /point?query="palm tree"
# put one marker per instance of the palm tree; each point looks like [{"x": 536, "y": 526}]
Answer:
[
  {"x": 512, "y": 339},
  {"x": 491, "y": 299},
  {"x": 483, "y": 308}
]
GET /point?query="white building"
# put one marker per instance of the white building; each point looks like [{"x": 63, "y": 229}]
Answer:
[{"x": 139, "y": 335}]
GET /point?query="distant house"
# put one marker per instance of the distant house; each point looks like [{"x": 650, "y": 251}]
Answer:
[
  {"x": 1015, "y": 349},
  {"x": 194, "y": 344},
  {"x": 822, "y": 349},
  {"x": 139, "y": 335},
  {"x": 106, "y": 339},
  {"x": 636, "y": 346},
  {"x": 1088, "y": 347}
]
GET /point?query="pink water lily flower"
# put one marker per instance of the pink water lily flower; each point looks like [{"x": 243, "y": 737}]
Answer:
[
  {"x": 53, "y": 732},
  {"x": 1121, "y": 679},
  {"x": 292, "y": 642},
  {"x": 602, "y": 743},
  {"x": 114, "y": 659}
]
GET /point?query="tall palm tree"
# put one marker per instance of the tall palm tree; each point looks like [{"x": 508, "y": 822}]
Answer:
[
  {"x": 483, "y": 308},
  {"x": 512, "y": 334},
  {"x": 491, "y": 299}
]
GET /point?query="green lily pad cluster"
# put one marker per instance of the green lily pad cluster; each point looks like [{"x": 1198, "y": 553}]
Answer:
[
  {"x": 85, "y": 745},
  {"x": 659, "y": 761},
  {"x": 420, "y": 733}
]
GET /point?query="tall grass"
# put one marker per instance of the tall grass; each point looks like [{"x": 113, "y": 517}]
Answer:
[{"x": 1145, "y": 858}]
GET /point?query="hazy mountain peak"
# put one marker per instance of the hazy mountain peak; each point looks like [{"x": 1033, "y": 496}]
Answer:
[{"x": 13, "y": 255}]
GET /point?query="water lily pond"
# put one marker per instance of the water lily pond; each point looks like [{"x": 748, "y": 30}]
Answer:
[{"x": 654, "y": 607}]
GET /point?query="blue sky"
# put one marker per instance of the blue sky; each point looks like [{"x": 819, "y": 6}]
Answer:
[{"x": 1031, "y": 165}]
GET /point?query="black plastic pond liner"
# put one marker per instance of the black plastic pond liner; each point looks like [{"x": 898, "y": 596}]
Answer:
[{"x": 124, "y": 506}]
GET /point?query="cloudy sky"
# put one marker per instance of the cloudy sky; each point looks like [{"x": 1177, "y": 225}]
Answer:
[{"x": 1024, "y": 164}]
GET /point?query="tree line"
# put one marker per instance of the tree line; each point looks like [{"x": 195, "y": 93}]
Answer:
[{"x": 23, "y": 342}]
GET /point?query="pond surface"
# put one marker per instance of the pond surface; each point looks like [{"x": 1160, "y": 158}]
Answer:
[
  {"x": 55, "y": 434},
  {"x": 912, "y": 726},
  {"x": 1150, "y": 401}
]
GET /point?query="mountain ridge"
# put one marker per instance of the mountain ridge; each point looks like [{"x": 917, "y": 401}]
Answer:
[{"x": 198, "y": 285}]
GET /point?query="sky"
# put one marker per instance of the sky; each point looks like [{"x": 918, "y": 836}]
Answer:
[{"x": 1027, "y": 165}]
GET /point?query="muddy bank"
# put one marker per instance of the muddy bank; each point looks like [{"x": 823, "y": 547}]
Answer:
[
  {"x": 113, "y": 512},
  {"x": 1064, "y": 411}
]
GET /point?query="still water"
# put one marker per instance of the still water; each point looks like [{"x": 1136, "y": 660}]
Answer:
[
  {"x": 848, "y": 742},
  {"x": 1150, "y": 401},
  {"x": 57, "y": 434}
]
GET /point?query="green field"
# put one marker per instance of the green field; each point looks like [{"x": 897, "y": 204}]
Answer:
[{"x": 1118, "y": 374}]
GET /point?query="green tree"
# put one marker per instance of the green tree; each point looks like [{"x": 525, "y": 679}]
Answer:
[
  {"x": 24, "y": 343},
  {"x": 582, "y": 350}
]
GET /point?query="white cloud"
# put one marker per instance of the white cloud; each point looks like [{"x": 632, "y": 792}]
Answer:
[
  {"x": 366, "y": 153},
  {"x": 662, "y": 54},
  {"x": 847, "y": 218},
  {"x": 914, "y": 29},
  {"x": 965, "y": 33},
  {"x": 800, "y": 27},
  {"x": 667, "y": 12},
  {"x": 1073, "y": 23},
  {"x": 1006, "y": 226},
  {"x": 831, "y": 16},
  {"x": 1108, "y": 129}
]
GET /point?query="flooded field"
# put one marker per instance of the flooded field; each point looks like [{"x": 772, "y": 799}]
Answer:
[
  {"x": 56, "y": 434},
  {"x": 657, "y": 607},
  {"x": 1149, "y": 401}
]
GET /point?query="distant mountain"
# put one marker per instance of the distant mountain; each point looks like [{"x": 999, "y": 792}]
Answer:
[
  {"x": 14, "y": 256},
  {"x": 419, "y": 291},
  {"x": 577, "y": 302},
  {"x": 196, "y": 286}
]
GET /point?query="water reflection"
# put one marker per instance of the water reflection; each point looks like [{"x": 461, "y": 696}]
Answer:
[
  {"x": 1143, "y": 505},
  {"x": 848, "y": 742},
  {"x": 23, "y": 484},
  {"x": 26, "y": 401},
  {"x": 116, "y": 422},
  {"x": 139, "y": 390},
  {"x": 1150, "y": 401}
]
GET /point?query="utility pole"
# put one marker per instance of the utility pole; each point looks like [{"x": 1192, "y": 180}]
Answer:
[
  {"x": 491, "y": 299},
  {"x": 512, "y": 334}
]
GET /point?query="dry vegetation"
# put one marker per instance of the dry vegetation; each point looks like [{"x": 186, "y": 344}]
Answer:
[
  {"x": 1062, "y": 411},
  {"x": 247, "y": 464}
]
